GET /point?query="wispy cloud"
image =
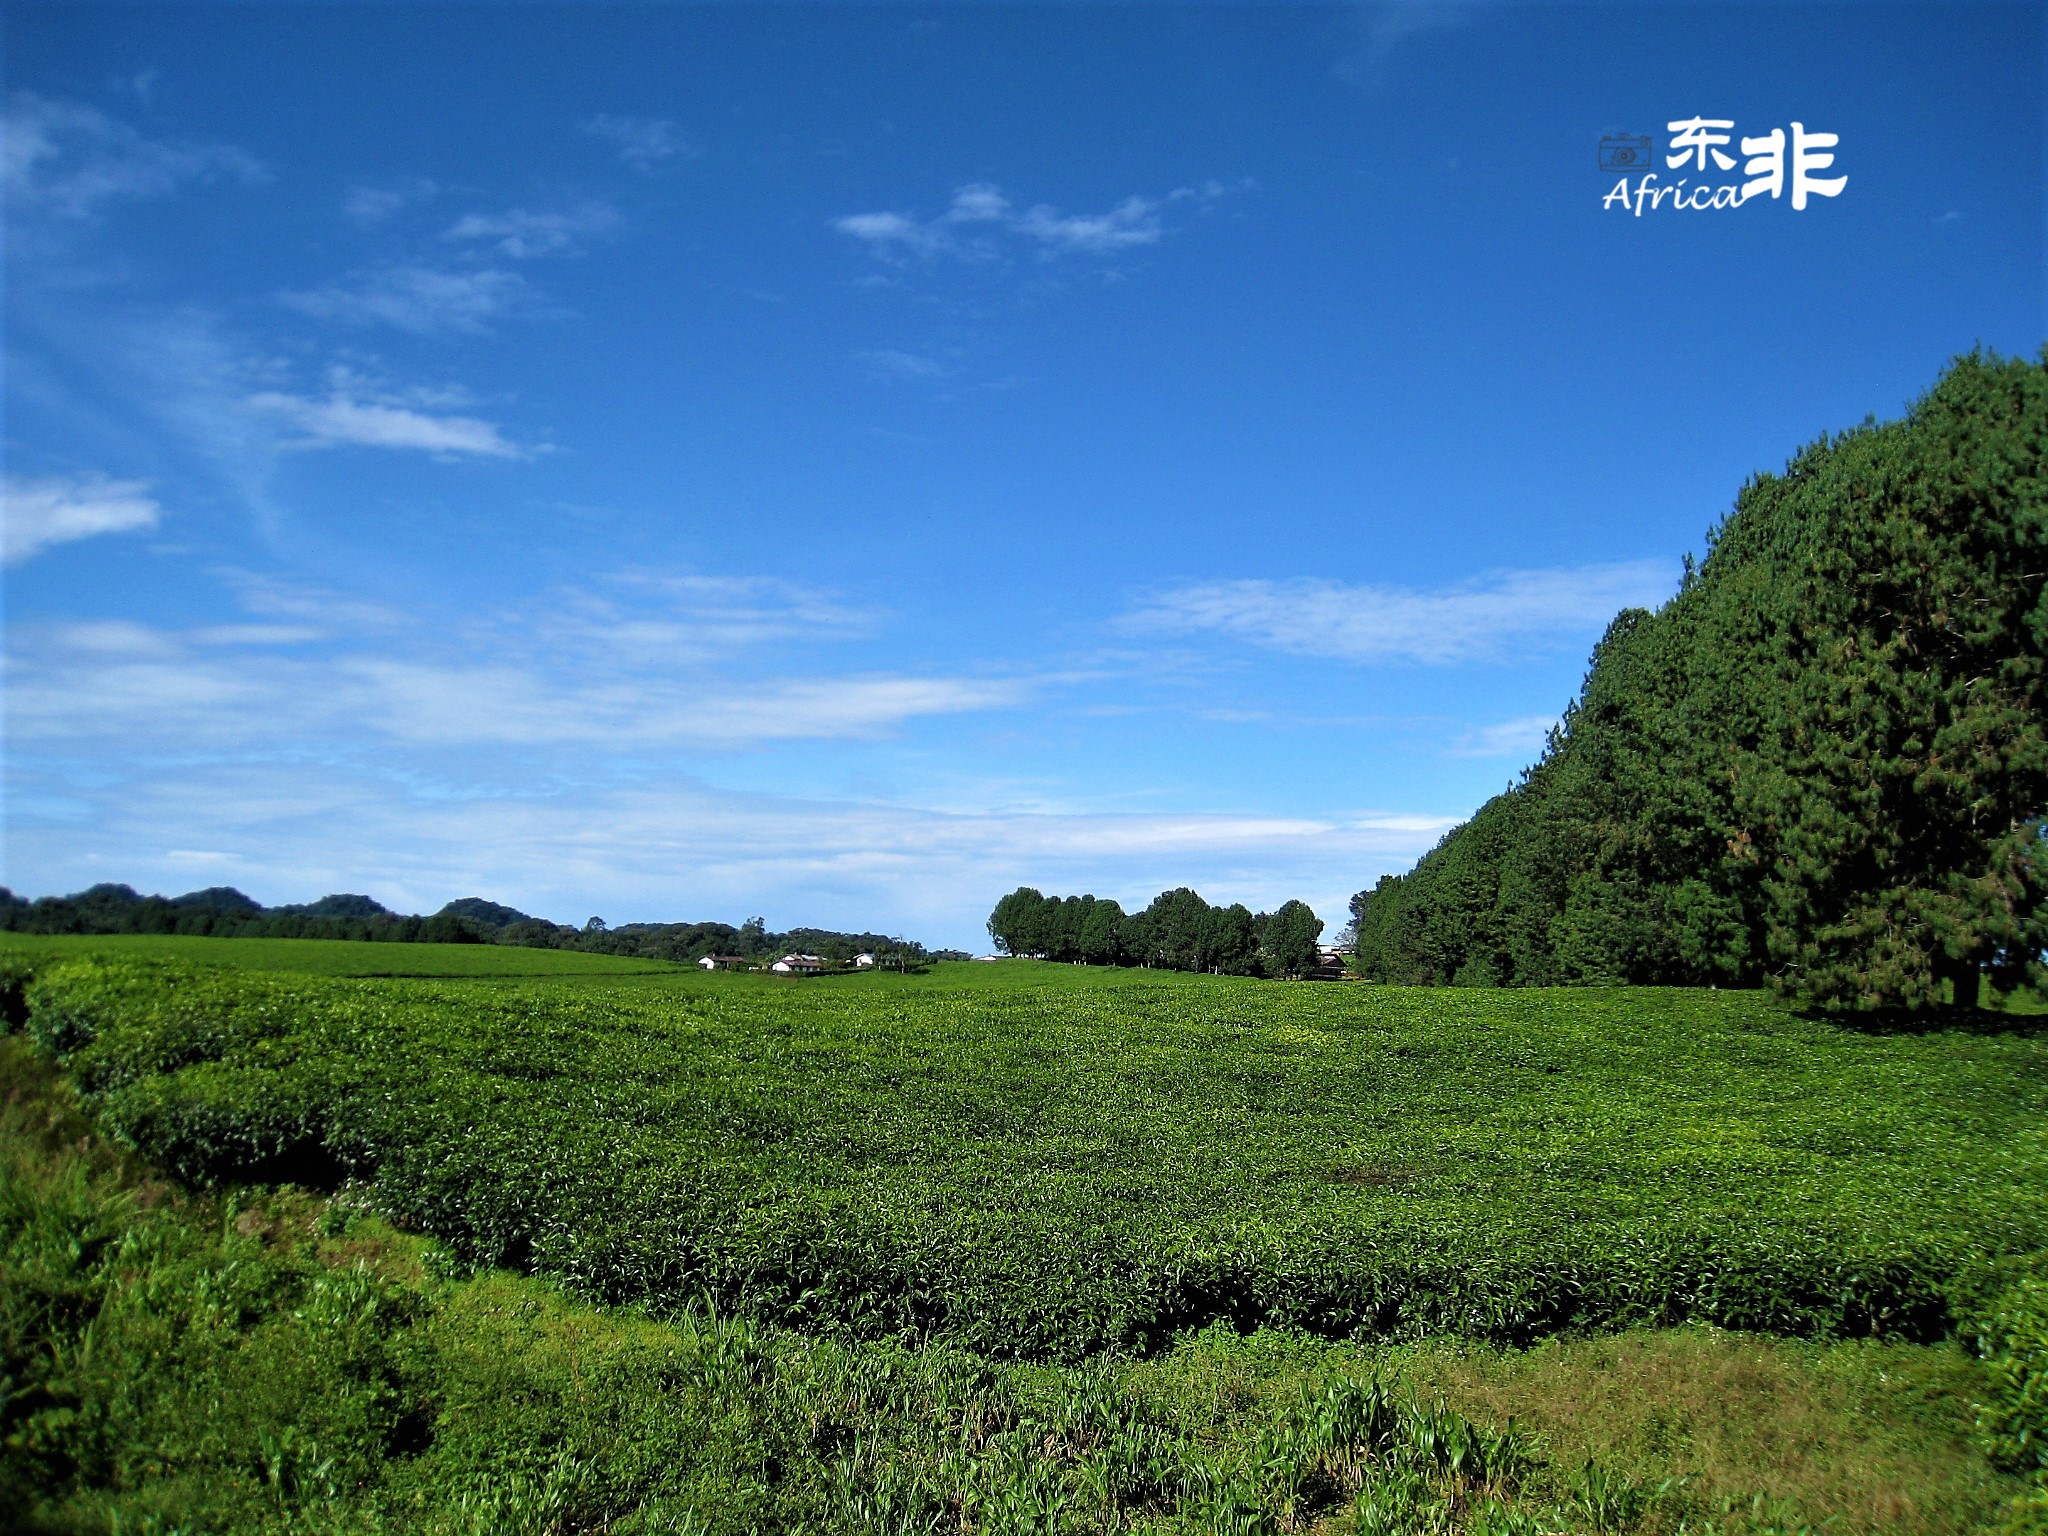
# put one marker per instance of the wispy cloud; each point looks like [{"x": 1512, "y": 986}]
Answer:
[
  {"x": 446, "y": 290},
  {"x": 679, "y": 849},
  {"x": 256, "y": 634},
  {"x": 1482, "y": 620},
  {"x": 888, "y": 363},
  {"x": 1521, "y": 738},
  {"x": 354, "y": 414},
  {"x": 623, "y": 664},
  {"x": 983, "y": 224},
  {"x": 650, "y": 616},
  {"x": 472, "y": 705},
  {"x": 37, "y": 513},
  {"x": 232, "y": 412},
  {"x": 644, "y": 143},
  {"x": 418, "y": 298},
  {"x": 330, "y": 612},
  {"x": 159, "y": 689},
  {"x": 1384, "y": 26},
  {"x": 71, "y": 159},
  {"x": 522, "y": 234},
  {"x": 541, "y": 757},
  {"x": 373, "y": 204}
]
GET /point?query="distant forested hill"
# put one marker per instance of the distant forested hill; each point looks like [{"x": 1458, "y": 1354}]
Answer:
[
  {"x": 1822, "y": 764},
  {"x": 224, "y": 912}
]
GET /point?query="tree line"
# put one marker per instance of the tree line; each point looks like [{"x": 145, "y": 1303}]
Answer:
[
  {"x": 1179, "y": 931},
  {"x": 224, "y": 912},
  {"x": 1822, "y": 765}
]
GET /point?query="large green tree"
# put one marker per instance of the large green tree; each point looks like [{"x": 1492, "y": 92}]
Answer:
[
  {"x": 1019, "y": 923},
  {"x": 1173, "y": 933},
  {"x": 1290, "y": 938},
  {"x": 1823, "y": 764},
  {"x": 1230, "y": 941}
]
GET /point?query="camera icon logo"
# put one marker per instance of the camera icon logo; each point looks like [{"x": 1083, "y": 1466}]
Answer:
[{"x": 1626, "y": 153}]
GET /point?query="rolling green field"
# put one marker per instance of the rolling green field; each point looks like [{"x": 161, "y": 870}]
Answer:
[
  {"x": 327, "y": 957},
  {"x": 1006, "y": 1217},
  {"x": 270, "y": 1361},
  {"x": 1055, "y": 1161}
]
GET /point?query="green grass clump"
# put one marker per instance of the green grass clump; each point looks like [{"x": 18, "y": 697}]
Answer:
[
  {"x": 2009, "y": 1327},
  {"x": 270, "y": 1361},
  {"x": 1062, "y": 1164}
]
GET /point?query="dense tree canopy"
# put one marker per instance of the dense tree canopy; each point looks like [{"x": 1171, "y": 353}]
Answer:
[
  {"x": 1179, "y": 931},
  {"x": 1291, "y": 935},
  {"x": 1823, "y": 764}
]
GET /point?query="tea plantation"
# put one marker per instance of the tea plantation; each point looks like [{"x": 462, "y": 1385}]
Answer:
[
  {"x": 1001, "y": 1248},
  {"x": 1033, "y": 1168}
]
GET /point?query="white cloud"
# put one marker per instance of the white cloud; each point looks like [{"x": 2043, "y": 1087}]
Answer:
[
  {"x": 643, "y": 142},
  {"x": 883, "y": 230},
  {"x": 347, "y": 417},
  {"x": 593, "y": 670},
  {"x": 189, "y": 378},
  {"x": 1482, "y": 620},
  {"x": 235, "y": 412},
  {"x": 844, "y": 707},
  {"x": 71, "y": 159},
  {"x": 1385, "y": 26},
  {"x": 981, "y": 224},
  {"x": 119, "y": 638},
  {"x": 680, "y": 849},
  {"x": 464, "y": 705},
  {"x": 421, "y": 299},
  {"x": 37, "y": 513},
  {"x": 374, "y": 204},
  {"x": 1521, "y": 738},
  {"x": 521, "y": 235},
  {"x": 652, "y": 616},
  {"x": 540, "y": 766},
  {"x": 1134, "y": 221},
  {"x": 256, "y": 634},
  {"x": 246, "y": 698},
  {"x": 276, "y": 597},
  {"x": 916, "y": 366}
]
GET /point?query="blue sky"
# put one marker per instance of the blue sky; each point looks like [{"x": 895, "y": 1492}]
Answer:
[{"x": 841, "y": 462}]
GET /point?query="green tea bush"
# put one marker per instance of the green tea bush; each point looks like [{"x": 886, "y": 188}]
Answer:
[
  {"x": 1043, "y": 1172},
  {"x": 2010, "y": 1331},
  {"x": 255, "y": 1363},
  {"x": 2008, "y": 1325},
  {"x": 188, "y": 1366}
]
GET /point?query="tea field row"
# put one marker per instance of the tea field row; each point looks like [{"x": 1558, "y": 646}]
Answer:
[{"x": 1046, "y": 1167}]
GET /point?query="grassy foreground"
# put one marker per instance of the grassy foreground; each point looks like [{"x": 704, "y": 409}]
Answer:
[{"x": 272, "y": 1361}]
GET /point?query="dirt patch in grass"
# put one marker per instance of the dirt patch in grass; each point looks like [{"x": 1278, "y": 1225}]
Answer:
[
  {"x": 1369, "y": 1175},
  {"x": 1373, "y": 1175}
]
